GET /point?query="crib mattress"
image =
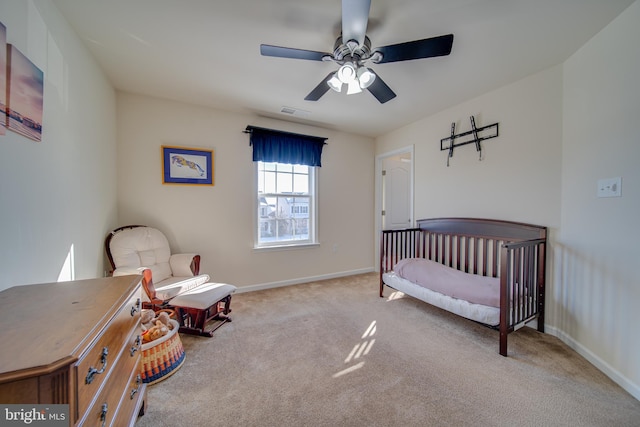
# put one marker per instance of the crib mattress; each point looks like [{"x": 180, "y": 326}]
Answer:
[{"x": 477, "y": 312}]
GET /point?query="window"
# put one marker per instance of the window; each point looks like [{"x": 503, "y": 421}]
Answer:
[
  {"x": 286, "y": 169},
  {"x": 286, "y": 200}
]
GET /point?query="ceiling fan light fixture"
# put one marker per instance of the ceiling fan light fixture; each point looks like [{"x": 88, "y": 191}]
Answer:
[
  {"x": 353, "y": 87},
  {"x": 347, "y": 73},
  {"x": 365, "y": 77},
  {"x": 335, "y": 83}
]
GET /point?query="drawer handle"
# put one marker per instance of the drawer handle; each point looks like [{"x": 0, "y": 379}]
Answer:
[
  {"x": 135, "y": 390},
  {"x": 135, "y": 308},
  {"x": 136, "y": 345},
  {"x": 103, "y": 414},
  {"x": 93, "y": 371}
]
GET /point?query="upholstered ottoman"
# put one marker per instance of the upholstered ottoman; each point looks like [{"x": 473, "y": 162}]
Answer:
[{"x": 204, "y": 304}]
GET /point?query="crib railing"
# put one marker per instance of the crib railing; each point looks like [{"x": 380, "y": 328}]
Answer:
[
  {"x": 396, "y": 245},
  {"x": 471, "y": 254}
]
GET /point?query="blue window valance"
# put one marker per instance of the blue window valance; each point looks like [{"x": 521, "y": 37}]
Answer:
[{"x": 285, "y": 147}]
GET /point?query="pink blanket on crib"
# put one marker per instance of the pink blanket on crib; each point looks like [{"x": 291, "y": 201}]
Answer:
[{"x": 437, "y": 277}]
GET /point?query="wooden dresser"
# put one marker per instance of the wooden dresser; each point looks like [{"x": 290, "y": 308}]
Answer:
[{"x": 75, "y": 343}]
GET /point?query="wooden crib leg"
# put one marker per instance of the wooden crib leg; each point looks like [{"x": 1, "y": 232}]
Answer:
[{"x": 503, "y": 341}]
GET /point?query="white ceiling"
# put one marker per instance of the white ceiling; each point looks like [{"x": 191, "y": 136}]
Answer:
[{"x": 207, "y": 52}]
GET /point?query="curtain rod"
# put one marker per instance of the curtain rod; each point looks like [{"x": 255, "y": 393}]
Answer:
[{"x": 250, "y": 128}]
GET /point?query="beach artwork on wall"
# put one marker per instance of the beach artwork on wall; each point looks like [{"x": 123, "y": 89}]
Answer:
[
  {"x": 3, "y": 78},
  {"x": 24, "y": 106}
]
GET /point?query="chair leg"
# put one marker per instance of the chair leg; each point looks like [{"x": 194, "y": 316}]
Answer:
[{"x": 227, "y": 305}]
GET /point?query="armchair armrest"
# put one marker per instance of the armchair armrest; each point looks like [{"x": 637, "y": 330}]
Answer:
[
  {"x": 185, "y": 264},
  {"x": 147, "y": 282},
  {"x": 125, "y": 271}
]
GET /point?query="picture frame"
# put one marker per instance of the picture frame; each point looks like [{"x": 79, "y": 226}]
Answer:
[
  {"x": 183, "y": 165},
  {"x": 3, "y": 79},
  {"x": 25, "y": 95}
]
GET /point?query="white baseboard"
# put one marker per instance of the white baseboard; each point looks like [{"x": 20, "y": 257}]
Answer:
[
  {"x": 298, "y": 281},
  {"x": 608, "y": 370}
]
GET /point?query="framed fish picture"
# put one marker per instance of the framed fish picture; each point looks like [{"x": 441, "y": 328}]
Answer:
[{"x": 182, "y": 165}]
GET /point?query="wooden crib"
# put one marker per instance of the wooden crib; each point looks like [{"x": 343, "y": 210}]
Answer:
[{"x": 511, "y": 251}]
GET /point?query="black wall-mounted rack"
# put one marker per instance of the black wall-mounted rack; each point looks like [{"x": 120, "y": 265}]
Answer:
[{"x": 475, "y": 137}]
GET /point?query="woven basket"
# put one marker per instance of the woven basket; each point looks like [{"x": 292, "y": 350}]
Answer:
[{"x": 162, "y": 357}]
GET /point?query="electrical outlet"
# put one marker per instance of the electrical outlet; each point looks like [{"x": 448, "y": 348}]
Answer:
[{"x": 610, "y": 187}]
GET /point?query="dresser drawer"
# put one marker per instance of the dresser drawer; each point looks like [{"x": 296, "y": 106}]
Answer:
[
  {"x": 118, "y": 386},
  {"x": 130, "y": 404},
  {"x": 97, "y": 362}
]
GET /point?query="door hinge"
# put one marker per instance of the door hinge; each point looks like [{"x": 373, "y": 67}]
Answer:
[
  {"x": 384, "y": 173},
  {"x": 383, "y": 213}
]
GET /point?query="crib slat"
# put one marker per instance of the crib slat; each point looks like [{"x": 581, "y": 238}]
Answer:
[
  {"x": 518, "y": 284},
  {"x": 505, "y": 298},
  {"x": 527, "y": 281},
  {"x": 540, "y": 285},
  {"x": 496, "y": 244},
  {"x": 464, "y": 261},
  {"x": 390, "y": 251},
  {"x": 531, "y": 286}
]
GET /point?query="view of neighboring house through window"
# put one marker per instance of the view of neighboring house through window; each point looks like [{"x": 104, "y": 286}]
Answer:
[{"x": 286, "y": 204}]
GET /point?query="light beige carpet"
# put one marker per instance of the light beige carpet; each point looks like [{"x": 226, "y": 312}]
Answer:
[{"x": 332, "y": 353}]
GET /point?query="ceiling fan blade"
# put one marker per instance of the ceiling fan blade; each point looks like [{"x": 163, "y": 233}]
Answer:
[
  {"x": 417, "y": 49},
  {"x": 380, "y": 90},
  {"x": 355, "y": 16},
  {"x": 288, "y": 52},
  {"x": 319, "y": 90}
]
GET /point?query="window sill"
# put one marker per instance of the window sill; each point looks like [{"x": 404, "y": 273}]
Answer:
[{"x": 286, "y": 247}]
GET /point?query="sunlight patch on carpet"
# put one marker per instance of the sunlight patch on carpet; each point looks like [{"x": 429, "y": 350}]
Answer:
[
  {"x": 348, "y": 370},
  {"x": 371, "y": 330},
  {"x": 359, "y": 350},
  {"x": 395, "y": 295}
]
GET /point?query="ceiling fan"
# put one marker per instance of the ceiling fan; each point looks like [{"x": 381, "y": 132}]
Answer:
[{"x": 352, "y": 51}]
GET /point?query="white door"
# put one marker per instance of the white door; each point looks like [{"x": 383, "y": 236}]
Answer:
[{"x": 396, "y": 192}]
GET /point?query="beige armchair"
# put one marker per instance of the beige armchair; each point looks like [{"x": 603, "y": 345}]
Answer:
[{"x": 169, "y": 280}]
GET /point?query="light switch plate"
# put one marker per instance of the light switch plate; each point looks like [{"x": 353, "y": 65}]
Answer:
[{"x": 610, "y": 187}]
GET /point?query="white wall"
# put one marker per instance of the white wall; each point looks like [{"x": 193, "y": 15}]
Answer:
[
  {"x": 58, "y": 193},
  {"x": 518, "y": 178},
  {"x": 597, "y": 291},
  {"x": 217, "y": 221}
]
